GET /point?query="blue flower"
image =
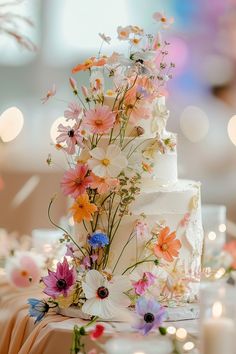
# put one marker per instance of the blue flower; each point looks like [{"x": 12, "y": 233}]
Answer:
[
  {"x": 98, "y": 240},
  {"x": 38, "y": 309}
]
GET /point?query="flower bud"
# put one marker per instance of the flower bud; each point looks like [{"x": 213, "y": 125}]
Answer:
[
  {"x": 84, "y": 91},
  {"x": 73, "y": 85}
]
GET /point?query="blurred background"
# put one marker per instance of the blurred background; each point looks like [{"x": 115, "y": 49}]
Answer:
[{"x": 202, "y": 95}]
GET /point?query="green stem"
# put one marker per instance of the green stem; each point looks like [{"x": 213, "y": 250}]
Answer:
[
  {"x": 123, "y": 249},
  {"x": 61, "y": 228},
  {"x": 137, "y": 263}
]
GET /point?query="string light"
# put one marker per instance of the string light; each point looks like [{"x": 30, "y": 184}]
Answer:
[
  {"x": 212, "y": 235},
  {"x": 181, "y": 333},
  {"x": 222, "y": 227},
  {"x": 171, "y": 330},
  {"x": 188, "y": 346}
]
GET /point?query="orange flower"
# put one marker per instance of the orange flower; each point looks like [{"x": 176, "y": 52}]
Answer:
[
  {"x": 167, "y": 246},
  {"x": 89, "y": 63},
  {"x": 82, "y": 208}
]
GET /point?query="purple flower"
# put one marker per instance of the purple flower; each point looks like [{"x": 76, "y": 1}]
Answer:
[
  {"x": 59, "y": 282},
  {"x": 98, "y": 240},
  {"x": 150, "y": 315}
]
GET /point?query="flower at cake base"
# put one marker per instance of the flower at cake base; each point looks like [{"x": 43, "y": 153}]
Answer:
[
  {"x": 144, "y": 283},
  {"x": 60, "y": 282},
  {"x": 73, "y": 112},
  {"x": 38, "y": 309},
  {"x": 105, "y": 299},
  {"x": 97, "y": 332},
  {"x": 70, "y": 136},
  {"x": 103, "y": 184},
  {"x": 98, "y": 240},
  {"x": 99, "y": 120},
  {"x": 150, "y": 315},
  {"x": 167, "y": 246},
  {"x": 107, "y": 163},
  {"x": 82, "y": 209},
  {"x": 75, "y": 181}
]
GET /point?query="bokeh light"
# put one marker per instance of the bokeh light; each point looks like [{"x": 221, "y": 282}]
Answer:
[
  {"x": 188, "y": 346},
  {"x": 181, "y": 333},
  {"x": 222, "y": 227},
  {"x": 11, "y": 124},
  {"x": 212, "y": 235},
  {"x": 194, "y": 123},
  {"x": 232, "y": 129}
]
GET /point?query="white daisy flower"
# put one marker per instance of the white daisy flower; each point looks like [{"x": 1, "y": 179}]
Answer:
[
  {"x": 107, "y": 163},
  {"x": 105, "y": 299}
]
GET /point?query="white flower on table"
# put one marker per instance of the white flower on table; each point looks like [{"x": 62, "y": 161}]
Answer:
[
  {"x": 107, "y": 163},
  {"x": 105, "y": 298}
]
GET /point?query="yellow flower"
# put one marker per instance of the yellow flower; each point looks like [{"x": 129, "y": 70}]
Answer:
[{"x": 82, "y": 209}]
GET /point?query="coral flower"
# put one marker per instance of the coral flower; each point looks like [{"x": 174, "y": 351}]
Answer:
[
  {"x": 75, "y": 182},
  {"x": 59, "y": 282},
  {"x": 82, "y": 209},
  {"x": 230, "y": 247},
  {"x": 73, "y": 112},
  {"x": 89, "y": 63},
  {"x": 103, "y": 184},
  {"x": 71, "y": 136},
  {"x": 99, "y": 120},
  {"x": 167, "y": 246},
  {"x": 140, "y": 110}
]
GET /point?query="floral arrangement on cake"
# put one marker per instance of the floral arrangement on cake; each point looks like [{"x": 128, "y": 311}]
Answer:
[{"x": 107, "y": 160}]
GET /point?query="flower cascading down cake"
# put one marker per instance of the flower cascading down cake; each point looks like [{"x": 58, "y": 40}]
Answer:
[{"x": 137, "y": 234}]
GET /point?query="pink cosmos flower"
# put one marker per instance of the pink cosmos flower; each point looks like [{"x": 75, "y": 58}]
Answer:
[
  {"x": 73, "y": 112},
  {"x": 140, "y": 110},
  {"x": 59, "y": 282},
  {"x": 71, "y": 136},
  {"x": 103, "y": 184},
  {"x": 49, "y": 94},
  {"x": 99, "y": 120},
  {"x": 75, "y": 181},
  {"x": 144, "y": 283}
]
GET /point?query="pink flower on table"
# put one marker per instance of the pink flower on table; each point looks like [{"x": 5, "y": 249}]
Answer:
[
  {"x": 60, "y": 282},
  {"x": 99, "y": 120},
  {"x": 73, "y": 112},
  {"x": 23, "y": 270},
  {"x": 103, "y": 184},
  {"x": 144, "y": 283},
  {"x": 230, "y": 247},
  {"x": 70, "y": 136},
  {"x": 49, "y": 94},
  {"x": 75, "y": 181}
]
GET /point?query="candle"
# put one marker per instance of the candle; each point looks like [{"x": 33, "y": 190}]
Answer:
[{"x": 218, "y": 333}]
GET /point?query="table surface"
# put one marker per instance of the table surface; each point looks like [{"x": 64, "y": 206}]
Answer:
[{"x": 19, "y": 334}]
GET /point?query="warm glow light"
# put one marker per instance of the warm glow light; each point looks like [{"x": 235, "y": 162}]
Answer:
[
  {"x": 217, "y": 309},
  {"x": 194, "y": 123},
  {"x": 212, "y": 235},
  {"x": 53, "y": 131},
  {"x": 11, "y": 124},
  {"x": 222, "y": 227},
  {"x": 181, "y": 333},
  {"x": 232, "y": 129},
  {"x": 171, "y": 330},
  {"x": 220, "y": 272},
  {"x": 188, "y": 346},
  {"x": 138, "y": 353}
]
